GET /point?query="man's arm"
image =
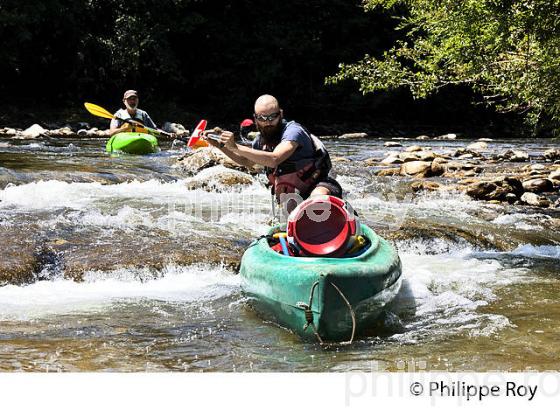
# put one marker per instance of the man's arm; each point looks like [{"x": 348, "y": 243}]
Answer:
[
  {"x": 115, "y": 128},
  {"x": 237, "y": 158},
  {"x": 245, "y": 155},
  {"x": 281, "y": 153},
  {"x": 124, "y": 128}
]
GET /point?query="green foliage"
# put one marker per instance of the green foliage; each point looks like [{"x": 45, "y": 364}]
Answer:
[
  {"x": 506, "y": 50},
  {"x": 202, "y": 54}
]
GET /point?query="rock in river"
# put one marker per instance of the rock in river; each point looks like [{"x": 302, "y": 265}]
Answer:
[
  {"x": 538, "y": 185},
  {"x": 514, "y": 156},
  {"x": 218, "y": 177},
  {"x": 416, "y": 168},
  {"x": 353, "y": 136},
  {"x": 478, "y": 146},
  {"x": 552, "y": 154},
  {"x": 202, "y": 158},
  {"x": 533, "y": 199},
  {"x": 34, "y": 131},
  {"x": 497, "y": 190}
]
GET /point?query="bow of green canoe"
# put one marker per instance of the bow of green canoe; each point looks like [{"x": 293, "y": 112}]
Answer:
[
  {"x": 132, "y": 143},
  {"x": 338, "y": 297}
]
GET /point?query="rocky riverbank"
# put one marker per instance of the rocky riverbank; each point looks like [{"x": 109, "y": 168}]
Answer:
[
  {"x": 81, "y": 129},
  {"x": 510, "y": 176}
]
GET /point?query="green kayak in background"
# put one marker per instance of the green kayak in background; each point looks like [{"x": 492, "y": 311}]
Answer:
[
  {"x": 323, "y": 299},
  {"x": 133, "y": 143}
]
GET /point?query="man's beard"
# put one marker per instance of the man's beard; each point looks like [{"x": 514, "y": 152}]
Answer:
[
  {"x": 131, "y": 106},
  {"x": 271, "y": 133}
]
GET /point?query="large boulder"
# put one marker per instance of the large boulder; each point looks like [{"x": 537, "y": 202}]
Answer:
[
  {"x": 481, "y": 190},
  {"x": 202, "y": 158},
  {"x": 465, "y": 153},
  {"x": 392, "y": 159},
  {"x": 552, "y": 154},
  {"x": 478, "y": 146},
  {"x": 515, "y": 184},
  {"x": 34, "y": 131},
  {"x": 93, "y": 133},
  {"x": 538, "y": 185},
  {"x": 416, "y": 168},
  {"x": 497, "y": 190},
  {"x": 426, "y": 155},
  {"x": 455, "y": 166},
  {"x": 218, "y": 177},
  {"x": 388, "y": 172},
  {"x": 438, "y": 167},
  {"x": 425, "y": 186},
  {"x": 62, "y": 132},
  {"x": 353, "y": 135},
  {"x": 447, "y": 137},
  {"x": 555, "y": 175},
  {"x": 409, "y": 156},
  {"x": 175, "y": 128},
  {"x": 392, "y": 144},
  {"x": 514, "y": 156},
  {"x": 413, "y": 148},
  {"x": 533, "y": 199}
]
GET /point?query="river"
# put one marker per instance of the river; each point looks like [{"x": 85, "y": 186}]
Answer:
[{"x": 112, "y": 264}]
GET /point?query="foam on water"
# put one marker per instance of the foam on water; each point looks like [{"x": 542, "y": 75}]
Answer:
[
  {"x": 255, "y": 222},
  {"x": 102, "y": 289},
  {"x": 543, "y": 251},
  {"x": 53, "y": 194},
  {"x": 201, "y": 220},
  {"x": 547, "y": 252},
  {"x": 526, "y": 222},
  {"x": 442, "y": 294}
]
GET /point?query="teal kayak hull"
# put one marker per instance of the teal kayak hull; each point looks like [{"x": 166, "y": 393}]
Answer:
[
  {"x": 132, "y": 143},
  {"x": 280, "y": 288}
]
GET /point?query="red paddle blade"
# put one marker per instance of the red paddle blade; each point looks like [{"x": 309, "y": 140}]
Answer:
[{"x": 197, "y": 133}]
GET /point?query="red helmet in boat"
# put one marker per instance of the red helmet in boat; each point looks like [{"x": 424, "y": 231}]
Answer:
[{"x": 322, "y": 226}]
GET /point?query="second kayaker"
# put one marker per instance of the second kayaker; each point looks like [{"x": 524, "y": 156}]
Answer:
[
  {"x": 295, "y": 161},
  {"x": 131, "y": 111}
]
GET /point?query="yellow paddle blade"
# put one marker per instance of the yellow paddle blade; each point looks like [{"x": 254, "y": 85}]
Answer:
[{"x": 98, "y": 111}]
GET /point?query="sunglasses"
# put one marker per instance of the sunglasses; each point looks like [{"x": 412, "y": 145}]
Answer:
[{"x": 267, "y": 118}]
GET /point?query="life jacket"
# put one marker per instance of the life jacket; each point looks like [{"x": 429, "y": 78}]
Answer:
[
  {"x": 299, "y": 176},
  {"x": 133, "y": 127}
]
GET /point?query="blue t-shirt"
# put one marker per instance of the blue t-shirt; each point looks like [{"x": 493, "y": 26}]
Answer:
[{"x": 292, "y": 131}]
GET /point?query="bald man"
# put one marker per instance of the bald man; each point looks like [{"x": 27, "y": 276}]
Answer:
[{"x": 295, "y": 161}]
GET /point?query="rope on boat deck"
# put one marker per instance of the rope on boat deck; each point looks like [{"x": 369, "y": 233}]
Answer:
[{"x": 309, "y": 316}]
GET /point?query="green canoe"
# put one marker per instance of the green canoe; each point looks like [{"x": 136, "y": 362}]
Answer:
[
  {"x": 342, "y": 296},
  {"x": 133, "y": 143}
]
